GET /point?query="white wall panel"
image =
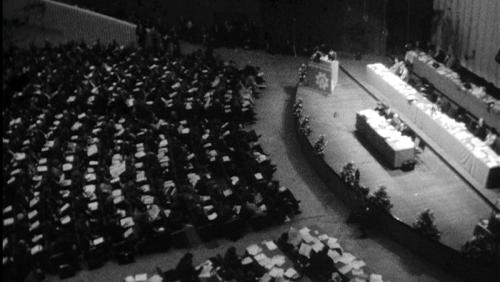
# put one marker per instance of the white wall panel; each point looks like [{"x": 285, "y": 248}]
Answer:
[{"x": 474, "y": 27}]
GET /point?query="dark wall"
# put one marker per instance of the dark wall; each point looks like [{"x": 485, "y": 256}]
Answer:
[
  {"x": 408, "y": 21},
  {"x": 342, "y": 24},
  {"x": 201, "y": 12}
]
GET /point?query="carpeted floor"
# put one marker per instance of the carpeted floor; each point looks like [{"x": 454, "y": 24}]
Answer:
[
  {"x": 319, "y": 205},
  {"x": 432, "y": 184}
]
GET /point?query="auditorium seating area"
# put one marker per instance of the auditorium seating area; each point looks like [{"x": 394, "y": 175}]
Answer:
[
  {"x": 297, "y": 253},
  {"x": 112, "y": 151}
]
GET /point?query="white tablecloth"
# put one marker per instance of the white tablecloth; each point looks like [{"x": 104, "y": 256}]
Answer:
[
  {"x": 479, "y": 160},
  {"x": 394, "y": 147},
  {"x": 448, "y": 82}
]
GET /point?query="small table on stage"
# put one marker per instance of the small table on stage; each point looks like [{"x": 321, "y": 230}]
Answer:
[
  {"x": 322, "y": 76},
  {"x": 395, "y": 148}
]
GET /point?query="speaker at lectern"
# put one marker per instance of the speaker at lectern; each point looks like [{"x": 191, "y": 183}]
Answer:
[{"x": 322, "y": 76}]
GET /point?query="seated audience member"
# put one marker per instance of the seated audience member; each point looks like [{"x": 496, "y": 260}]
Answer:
[
  {"x": 321, "y": 263},
  {"x": 116, "y": 142},
  {"x": 185, "y": 270}
]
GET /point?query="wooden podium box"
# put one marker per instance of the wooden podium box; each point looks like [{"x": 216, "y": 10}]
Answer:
[{"x": 322, "y": 76}]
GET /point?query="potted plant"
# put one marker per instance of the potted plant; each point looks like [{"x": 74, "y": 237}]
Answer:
[
  {"x": 304, "y": 127},
  {"x": 320, "y": 145},
  {"x": 425, "y": 225},
  {"x": 380, "y": 199}
]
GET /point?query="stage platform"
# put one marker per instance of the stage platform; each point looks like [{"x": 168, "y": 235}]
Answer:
[{"x": 432, "y": 184}]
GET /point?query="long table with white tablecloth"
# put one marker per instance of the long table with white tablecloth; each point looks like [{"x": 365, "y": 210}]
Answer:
[
  {"x": 448, "y": 82},
  {"x": 395, "y": 148},
  {"x": 477, "y": 158}
]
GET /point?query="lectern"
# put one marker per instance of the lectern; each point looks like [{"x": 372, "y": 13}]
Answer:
[{"x": 322, "y": 76}]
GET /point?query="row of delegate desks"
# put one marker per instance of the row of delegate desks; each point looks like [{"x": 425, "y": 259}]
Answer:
[
  {"x": 448, "y": 82},
  {"x": 477, "y": 158},
  {"x": 395, "y": 148}
]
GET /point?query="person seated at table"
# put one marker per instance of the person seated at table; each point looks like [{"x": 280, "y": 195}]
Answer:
[
  {"x": 316, "y": 56},
  {"x": 405, "y": 73},
  {"x": 380, "y": 108},
  {"x": 185, "y": 270},
  {"x": 231, "y": 258},
  {"x": 450, "y": 59},
  {"x": 397, "y": 67},
  {"x": 439, "y": 54},
  {"x": 492, "y": 140},
  {"x": 321, "y": 263},
  {"x": 332, "y": 55},
  {"x": 480, "y": 129},
  {"x": 439, "y": 103},
  {"x": 396, "y": 122}
]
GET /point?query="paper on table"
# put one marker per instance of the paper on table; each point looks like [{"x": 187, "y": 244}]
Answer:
[
  {"x": 359, "y": 273},
  {"x": 7, "y": 209},
  {"x": 66, "y": 220},
  {"x": 34, "y": 201},
  {"x": 32, "y": 214},
  {"x": 375, "y": 277},
  {"x": 317, "y": 246},
  {"x": 254, "y": 249},
  {"x": 308, "y": 238},
  {"x": 116, "y": 193},
  {"x": 304, "y": 230},
  {"x": 266, "y": 278},
  {"x": 332, "y": 243},
  {"x": 260, "y": 257},
  {"x": 142, "y": 277},
  {"x": 212, "y": 216},
  {"x": 291, "y": 273},
  {"x": 246, "y": 260},
  {"x": 42, "y": 168},
  {"x": 8, "y": 221},
  {"x": 227, "y": 192},
  {"x": 334, "y": 255},
  {"x": 37, "y": 238},
  {"x": 36, "y": 249},
  {"x": 278, "y": 260},
  {"x": 91, "y": 150},
  {"x": 93, "y": 206},
  {"x": 127, "y": 233},
  {"x": 345, "y": 269},
  {"x": 98, "y": 241},
  {"x": 323, "y": 237},
  {"x": 127, "y": 222},
  {"x": 305, "y": 250},
  {"x": 271, "y": 245},
  {"x": 347, "y": 258},
  {"x": 276, "y": 272},
  {"x": 357, "y": 264},
  {"x": 206, "y": 272}
]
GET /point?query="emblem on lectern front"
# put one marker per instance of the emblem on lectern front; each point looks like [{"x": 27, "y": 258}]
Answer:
[{"x": 322, "y": 80}]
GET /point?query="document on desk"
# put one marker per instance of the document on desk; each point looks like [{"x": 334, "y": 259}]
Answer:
[
  {"x": 270, "y": 245},
  {"x": 305, "y": 250},
  {"x": 278, "y": 260},
  {"x": 254, "y": 249}
]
